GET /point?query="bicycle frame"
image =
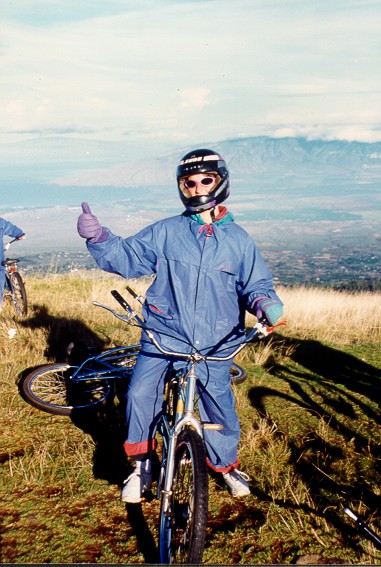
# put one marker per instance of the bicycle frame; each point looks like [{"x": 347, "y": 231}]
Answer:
[
  {"x": 103, "y": 366},
  {"x": 10, "y": 267},
  {"x": 184, "y": 416},
  {"x": 14, "y": 284}
]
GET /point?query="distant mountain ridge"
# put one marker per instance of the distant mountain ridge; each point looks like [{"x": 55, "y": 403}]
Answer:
[{"x": 248, "y": 157}]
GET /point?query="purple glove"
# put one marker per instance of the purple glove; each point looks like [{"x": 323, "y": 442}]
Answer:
[
  {"x": 89, "y": 227},
  {"x": 266, "y": 310}
]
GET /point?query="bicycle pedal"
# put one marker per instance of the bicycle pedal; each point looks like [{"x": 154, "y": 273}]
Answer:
[{"x": 212, "y": 426}]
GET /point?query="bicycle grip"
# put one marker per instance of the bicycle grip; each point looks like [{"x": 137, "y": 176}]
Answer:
[
  {"x": 131, "y": 291},
  {"x": 127, "y": 307},
  {"x": 116, "y": 295}
]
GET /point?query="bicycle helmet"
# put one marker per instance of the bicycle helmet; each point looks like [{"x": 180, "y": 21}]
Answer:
[{"x": 203, "y": 161}]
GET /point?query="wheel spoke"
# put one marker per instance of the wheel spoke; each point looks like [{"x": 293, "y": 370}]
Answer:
[{"x": 51, "y": 389}]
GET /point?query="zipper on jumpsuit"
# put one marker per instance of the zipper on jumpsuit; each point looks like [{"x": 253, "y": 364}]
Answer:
[{"x": 207, "y": 231}]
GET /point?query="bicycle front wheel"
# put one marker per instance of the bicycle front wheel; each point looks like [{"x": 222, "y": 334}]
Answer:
[
  {"x": 18, "y": 292},
  {"x": 183, "y": 526},
  {"x": 49, "y": 388}
]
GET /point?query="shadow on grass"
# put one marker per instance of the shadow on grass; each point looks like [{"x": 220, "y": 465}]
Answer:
[
  {"x": 70, "y": 340},
  {"x": 143, "y": 534},
  {"x": 342, "y": 381},
  {"x": 339, "y": 368},
  {"x": 348, "y": 391},
  {"x": 61, "y": 331}
]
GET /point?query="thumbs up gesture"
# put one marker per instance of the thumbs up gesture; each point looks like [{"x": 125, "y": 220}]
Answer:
[{"x": 88, "y": 225}]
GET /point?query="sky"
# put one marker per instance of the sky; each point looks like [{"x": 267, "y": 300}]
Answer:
[{"x": 167, "y": 73}]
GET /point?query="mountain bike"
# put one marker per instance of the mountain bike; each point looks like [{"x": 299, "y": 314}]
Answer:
[
  {"x": 61, "y": 388},
  {"x": 183, "y": 479},
  {"x": 182, "y": 485},
  {"x": 14, "y": 284}
]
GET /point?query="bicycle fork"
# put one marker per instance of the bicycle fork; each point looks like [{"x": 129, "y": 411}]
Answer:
[{"x": 184, "y": 418}]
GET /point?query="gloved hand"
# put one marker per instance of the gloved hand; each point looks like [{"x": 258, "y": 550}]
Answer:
[
  {"x": 266, "y": 310},
  {"x": 88, "y": 225}
]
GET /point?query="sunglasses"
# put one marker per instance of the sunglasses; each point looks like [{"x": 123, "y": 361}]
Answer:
[{"x": 205, "y": 181}]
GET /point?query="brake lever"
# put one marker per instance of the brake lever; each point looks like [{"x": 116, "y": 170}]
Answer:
[{"x": 126, "y": 318}]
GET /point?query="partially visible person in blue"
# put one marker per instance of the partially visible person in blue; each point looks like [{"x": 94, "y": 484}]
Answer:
[
  {"x": 208, "y": 273},
  {"x": 13, "y": 231}
]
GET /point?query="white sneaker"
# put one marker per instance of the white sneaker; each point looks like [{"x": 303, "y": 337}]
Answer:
[
  {"x": 139, "y": 481},
  {"x": 237, "y": 482}
]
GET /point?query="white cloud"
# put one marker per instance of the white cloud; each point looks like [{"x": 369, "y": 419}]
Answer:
[{"x": 172, "y": 70}]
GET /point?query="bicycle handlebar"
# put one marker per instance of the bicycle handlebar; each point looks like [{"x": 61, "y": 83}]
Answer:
[
  {"x": 196, "y": 356},
  {"x": 259, "y": 330},
  {"x": 361, "y": 525},
  {"x": 8, "y": 244}
]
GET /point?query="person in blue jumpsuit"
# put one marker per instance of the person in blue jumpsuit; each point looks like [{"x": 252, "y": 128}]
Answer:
[
  {"x": 6, "y": 229},
  {"x": 208, "y": 272}
]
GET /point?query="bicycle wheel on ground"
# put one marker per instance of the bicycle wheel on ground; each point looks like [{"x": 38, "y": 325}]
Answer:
[
  {"x": 49, "y": 388},
  {"x": 237, "y": 374},
  {"x": 18, "y": 292},
  {"x": 183, "y": 527}
]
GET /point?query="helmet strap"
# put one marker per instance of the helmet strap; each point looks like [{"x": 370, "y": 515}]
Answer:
[{"x": 209, "y": 216}]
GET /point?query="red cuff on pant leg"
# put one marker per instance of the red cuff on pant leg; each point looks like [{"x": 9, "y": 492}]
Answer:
[
  {"x": 133, "y": 449},
  {"x": 222, "y": 469}
]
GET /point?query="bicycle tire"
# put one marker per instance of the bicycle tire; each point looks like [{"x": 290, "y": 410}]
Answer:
[
  {"x": 182, "y": 529},
  {"x": 171, "y": 397},
  {"x": 18, "y": 292},
  {"x": 49, "y": 389},
  {"x": 237, "y": 374}
]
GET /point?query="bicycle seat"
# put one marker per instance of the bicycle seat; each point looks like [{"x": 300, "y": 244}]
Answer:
[{"x": 9, "y": 262}]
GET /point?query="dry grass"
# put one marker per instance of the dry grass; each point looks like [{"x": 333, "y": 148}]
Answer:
[
  {"x": 313, "y": 313},
  {"x": 333, "y": 316},
  {"x": 310, "y": 438}
]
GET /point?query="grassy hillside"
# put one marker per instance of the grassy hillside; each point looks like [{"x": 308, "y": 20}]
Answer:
[{"x": 311, "y": 439}]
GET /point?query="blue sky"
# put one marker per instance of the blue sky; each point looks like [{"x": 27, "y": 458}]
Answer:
[{"x": 168, "y": 73}]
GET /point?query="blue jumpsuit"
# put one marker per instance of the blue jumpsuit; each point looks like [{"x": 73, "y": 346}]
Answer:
[
  {"x": 6, "y": 229},
  {"x": 206, "y": 277}
]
